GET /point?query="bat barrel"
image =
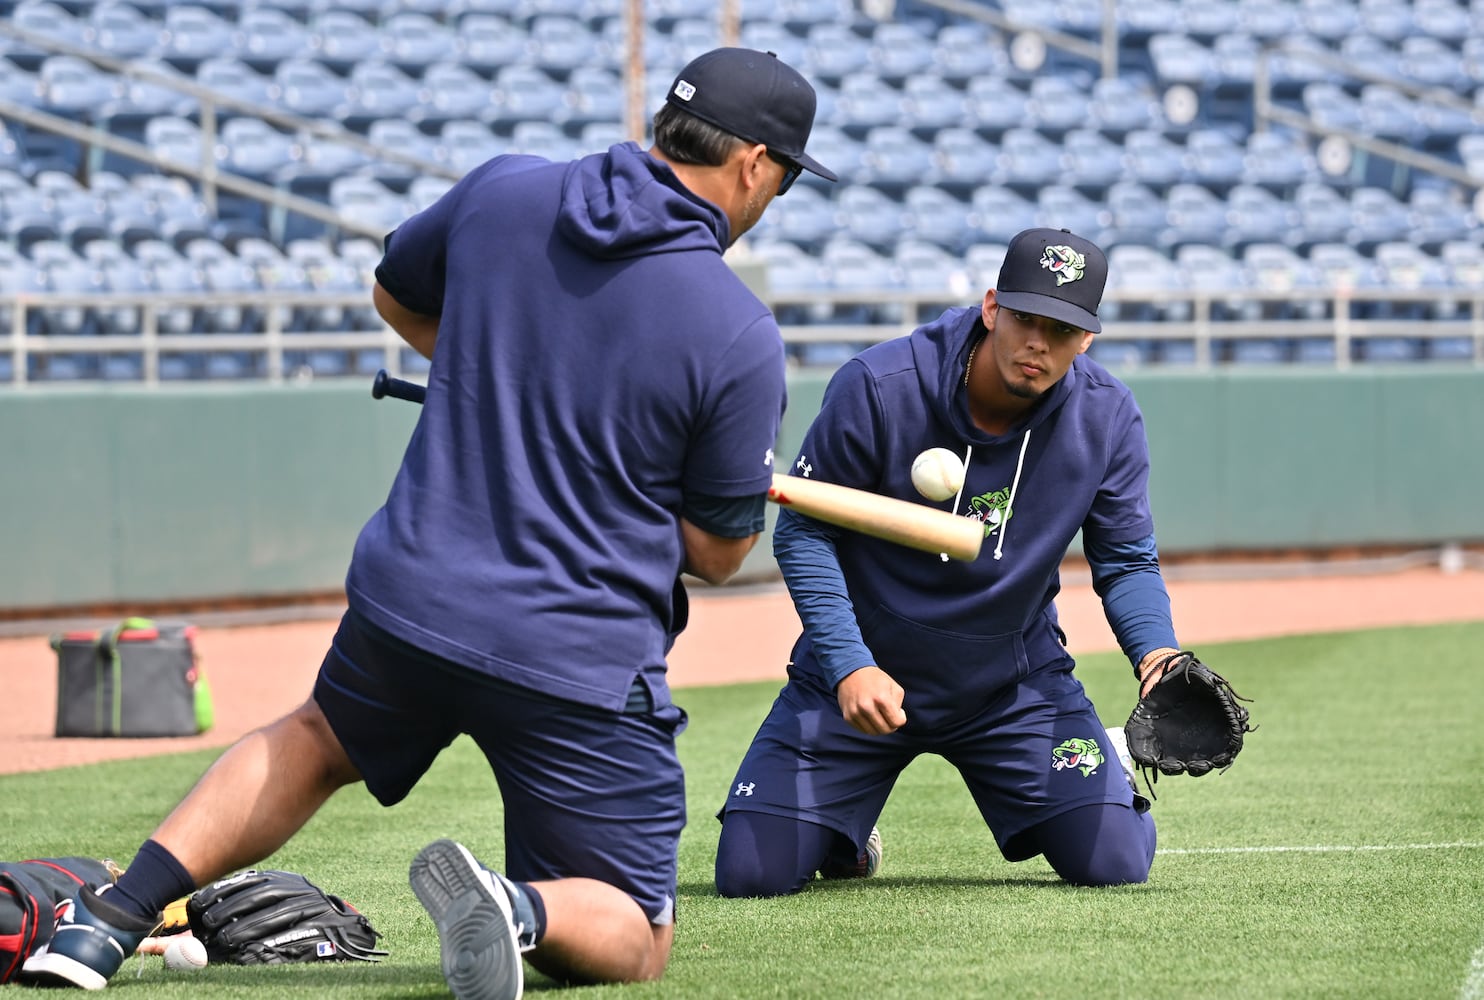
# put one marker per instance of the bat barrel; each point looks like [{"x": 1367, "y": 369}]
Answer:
[{"x": 927, "y": 529}]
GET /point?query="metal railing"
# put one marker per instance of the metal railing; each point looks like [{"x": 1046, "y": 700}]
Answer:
[{"x": 1459, "y": 315}]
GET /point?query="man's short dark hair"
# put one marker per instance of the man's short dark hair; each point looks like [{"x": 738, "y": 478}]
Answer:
[{"x": 684, "y": 138}]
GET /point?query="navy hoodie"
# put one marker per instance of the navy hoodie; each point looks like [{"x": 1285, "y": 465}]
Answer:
[
  {"x": 944, "y": 629},
  {"x": 596, "y": 362}
]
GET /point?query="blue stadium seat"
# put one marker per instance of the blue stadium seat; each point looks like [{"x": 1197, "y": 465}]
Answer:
[
  {"x": 1121, "y": 104},
  {"x": 1291, "y": 70},
  {"x": 120, "y": 30},
  {"x": 425, "y": 190},
  {"x": 687, "y": 37},
  {"x": 1059, "y": 206},
  {"x": 1341, "y": 268},
  {"x": 1138, "y": 214},
  {"x": 1117, "y": 355},
  {"x": 464, "y": 144},
  {"x": 74, "y": 88},
  {"x": 325, "y": 272},
  {"x": 1389, "y": 20},
  {"x": 853, "y": 266},
  {"x": 1330, "y": 21},
  {"x": 1256, "y": 215},
  {"x": 411, "y": 40},
  {"x": 1205, "y": 19},
  {"x": 1377, "y": 55},
  {"x": 866, "y": 101},
  {"x": 594, "y": 94},
  {"x": 895, "y": 159},
  {"x": 1433, "y": 62},
  {"x": 1211, "y": 270},
  {"x": 1056, "y": 104},
  {"x": 598, "y": 137},
  {"x": 174, "y": 140},
  {"x": 867, "y": 215},
  {"x": 485, "y": 42},
  {"x": 964, "y": 159},
  {"x": 899, "y": 51},
  {"x": 1090, "y": 161},
  {"x": 369, "y": 201},
  {"x": 801, "y": 15},
  {"x": 1153, "y": 160},
  {"x": 192, "y": 33},
  {"x": 1269, "y": 20},
  {"x": 266, "y": 36},
  {"x": 995, "y": 105},
  {"x": 998, "y": 213},
  {"x": 930, "y": 269},
  {"x": 936, "y": 216},
  {"x": 1278, "y": 160},
  {"x": 838, "y": 150},
  {"x": 771, "y": 36},
  {"x": 1440, "y": 215},
  {"x": 1134, "y": 269},
  {"x": 232, "y": 77},
  {"x": 253, "y": 148},
  {"x": 342, "y": 38},
  {"x": 526, "y": 93},
  {"x": 51, "y": 21},
  {"x": 449, "y": 90},
  {"x": 931, "y": 103},
  {"x": 310, "y": 88},
  {"x": 545, "y": 139},
  {"x": 1405, "y": 267},
  {"x": 1389, "y": 114},
  {"x": 1276, "y": 268},
  {"x": 965, "y": 52},
  {"x": 378, "y": 89},
  {"x": 1176, "y": 57},
  {"x": 561, "y": 44},
  {"x": 1376, "y": 216},
  {"x": 1193, "y": 215},
  {"x": 1215, "y": 158},
  {"x": 1324, "y": 213},
  {"x": 1026, "y": 159},
  {"x": 12, "y": 157}
]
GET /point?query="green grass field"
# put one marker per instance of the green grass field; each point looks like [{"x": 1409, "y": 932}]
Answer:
[{"x": 1343, "y": 856}]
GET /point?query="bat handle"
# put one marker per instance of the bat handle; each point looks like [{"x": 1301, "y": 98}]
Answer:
[{"x": 386, "y": 385}]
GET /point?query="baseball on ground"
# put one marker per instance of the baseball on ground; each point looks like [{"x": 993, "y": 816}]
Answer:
[
  {"x": 185, "y": 954},
  {"x": 938, "y": 473}
]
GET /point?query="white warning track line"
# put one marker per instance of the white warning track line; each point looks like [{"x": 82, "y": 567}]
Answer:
[{"x": 1335, "y": 849}]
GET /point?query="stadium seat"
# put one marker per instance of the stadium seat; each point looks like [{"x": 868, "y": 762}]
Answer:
[
  {"x": 561, "y": 44},
  {"x": 866, "y": 101},
  {"x": 930, "y": 269},
  {"x": 1117, "y": 355},
  {"x": 485, "y": 42},
  {"x": 1211, "y": 271},
  {"x": 342, "y": 38},
  {"x": 544, "y": 139},
  {"x": 1433, "y": 62},
  {"x": 1277, "y": 269},
  {"x": 1342, "y": 269},
  {"x": 1151, "y": 159},
  {"x": 368, "y": 201},
  {"x": 1121, "y": 104},
  {"x": 1027, "y": 158},
  {"x": 594, "y": 94},
  {"x": 232, "y": 77},
  {"x": 253, "y": 148},
  {"x": 965, "y": 52},
  {"x": 899, "y": 51},
  {"x": 931, "y": 103},
  {"x": 1388, "y": 20},
  {"x": 853, "y": 266},
  {"x": 1377, "y": 55},
  {"x": 995, "y": 105},
  {"x": 963, "y": 158},
  {"x": 266, "y": 36},
  {"x": 174, "y": 140},
  {"x": 1134, "y": 269},
  {"x": 74, "y": 88},
  {"x": 1056, "y": 104},
  {"x": 1205, "y": 19},
  {"x": 120, "y": 30},
  {"x": 838, "y": 150},
  {"x": 868, "y": 216},
  {"x": 192, "y": 33},
  {"x": 378, "y": 89},
  {"x": 1138, "y": 215},
  {"x": 895, "y": 159},
  {"x": 1215, "y": 158},
  {"x": 801, "y": 15},
  {"x": 1389, "y": 114},
  {"x": 599, "y": 137},
  {"x": 1330, "y": 21},
  {"x": 141, "y": 97},
  {"x": 1406, "y": 268},
  {"x": 687, "y": 36},
  {"x": 449, "y": 91},
  {"x": 526, "y": 93},
  {"x": 411, "y": 40},
  {"x": 1176, "y": 57},
  {"x": 935, "y": 216},
  {"x": 1256, "y": 215},
  {"x": 767, "y": 35},
  {"x": 310, "y": 88},
  {"x": 998, "y": 213},
  {"x": 425, "y": 190},
  {"x": 1059, "y": 206},
  {"x": 464, "y": 144},
  {"x": 1090, "y": 161},
  {"x": 1268, "y": 20},
  {"x": 1440, "y": 215},
  {"x": 1376, "y": 216},
  {"x": 982, "y": 261},
  {"x": 1279, "y": 161},
  {"x": 1291, "y": 69},
  {"x": 1324, "y": 214}
]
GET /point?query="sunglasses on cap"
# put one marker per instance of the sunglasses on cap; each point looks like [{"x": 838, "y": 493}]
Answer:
[{"x": 791, "y": 171}]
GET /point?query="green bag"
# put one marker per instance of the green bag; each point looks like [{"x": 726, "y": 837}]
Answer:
[{"x": 139, "y": 678}]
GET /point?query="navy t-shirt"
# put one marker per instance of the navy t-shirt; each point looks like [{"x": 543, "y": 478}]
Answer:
[{"x": 597, "y": 362}]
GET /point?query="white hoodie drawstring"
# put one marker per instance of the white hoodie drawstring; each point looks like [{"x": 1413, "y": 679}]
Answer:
[{"x": 1010, "y": 505}]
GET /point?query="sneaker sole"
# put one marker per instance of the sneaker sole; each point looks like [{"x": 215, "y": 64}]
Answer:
[
  {"x": 44, "y": 968},
  {"x": 480, "y": 958}
]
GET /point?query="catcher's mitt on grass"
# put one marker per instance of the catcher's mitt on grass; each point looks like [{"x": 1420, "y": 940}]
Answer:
[
  {"x": 274, "y": 918},
  {"x": 1191, "y": 722}
]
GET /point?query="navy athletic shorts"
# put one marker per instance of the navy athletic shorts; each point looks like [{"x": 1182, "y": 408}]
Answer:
[
  {"x": 1033, "y": 752},
  {"x": 586, "y": 792}
]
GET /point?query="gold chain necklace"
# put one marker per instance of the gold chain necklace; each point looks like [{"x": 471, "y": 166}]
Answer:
[{"x": 969, "y": 365}]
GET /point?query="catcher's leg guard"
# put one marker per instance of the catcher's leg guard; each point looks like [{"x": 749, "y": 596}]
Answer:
[
  {"x": 91, "y": 940},
  {"x": 475, "y": 920}
]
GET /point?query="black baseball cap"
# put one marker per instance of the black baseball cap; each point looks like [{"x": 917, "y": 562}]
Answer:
[
  {"x": 1051, "y": 272},
  {"x": 753, "y": 95}
]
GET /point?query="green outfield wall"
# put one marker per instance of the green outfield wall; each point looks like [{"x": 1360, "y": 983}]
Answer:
[{"x": 115, "y": 495}]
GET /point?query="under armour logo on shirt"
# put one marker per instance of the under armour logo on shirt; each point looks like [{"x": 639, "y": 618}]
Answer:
[
  {"x": 744, "y": 788},
  {"x": 803, "y": 465}
]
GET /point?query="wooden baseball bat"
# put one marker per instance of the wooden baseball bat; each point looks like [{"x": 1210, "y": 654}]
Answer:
[{"x": 900, "y": 521}]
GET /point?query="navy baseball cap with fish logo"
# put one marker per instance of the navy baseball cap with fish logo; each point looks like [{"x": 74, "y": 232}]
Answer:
[{"x": 1052, "y": 272}]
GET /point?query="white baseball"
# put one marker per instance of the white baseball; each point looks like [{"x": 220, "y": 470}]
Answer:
[
  {"x": 938, "y": 473},
  {"x": 185, "y": 954}
]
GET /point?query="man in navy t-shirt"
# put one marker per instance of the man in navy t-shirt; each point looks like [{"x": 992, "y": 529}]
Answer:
[
  {"x": 602, "y": 403},
  {"x": 904, "y": 653}
]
